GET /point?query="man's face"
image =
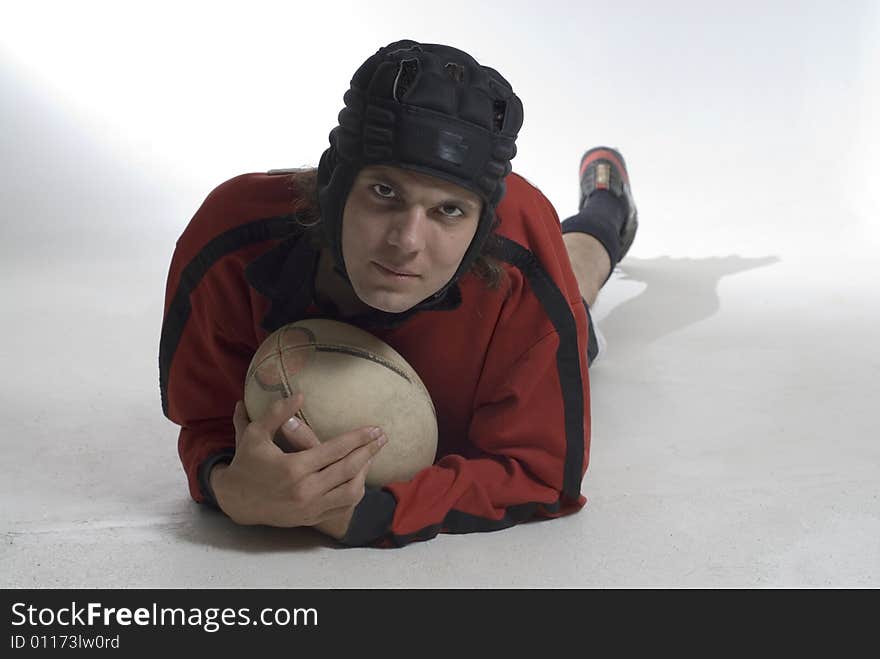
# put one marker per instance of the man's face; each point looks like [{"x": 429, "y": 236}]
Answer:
[{"x": 407, "y": 222}]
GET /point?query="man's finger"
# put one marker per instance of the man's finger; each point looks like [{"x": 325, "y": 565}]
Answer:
[
  {"x": 345, "y": 494},
  {"x": 295, "y": 435},
  {"x": 277, "y": 413},
  {"x": 350, "y": 466},
  {"x": 335, "y": 449}
]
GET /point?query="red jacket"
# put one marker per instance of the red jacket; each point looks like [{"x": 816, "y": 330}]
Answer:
[{"x": 507, "y": 372}]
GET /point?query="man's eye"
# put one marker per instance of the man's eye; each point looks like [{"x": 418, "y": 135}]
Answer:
[
  {"x": 458, "y": 213},
  {"x": 386, "y": 193}
]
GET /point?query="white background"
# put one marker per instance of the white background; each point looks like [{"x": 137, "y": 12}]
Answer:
[{"x": 734, "y": 428}]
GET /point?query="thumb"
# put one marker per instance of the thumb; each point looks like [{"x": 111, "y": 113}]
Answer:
[
  {"x": 295, "y": 435},
  {"x": 239, "y": 421}
]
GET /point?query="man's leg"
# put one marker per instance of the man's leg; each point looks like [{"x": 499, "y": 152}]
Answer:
[
  {"x": 600, "y": 235},
  {"x": 590, "y": 262}
]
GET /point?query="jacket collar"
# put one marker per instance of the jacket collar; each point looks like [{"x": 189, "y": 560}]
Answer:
[{"x": 286, "y": 275}]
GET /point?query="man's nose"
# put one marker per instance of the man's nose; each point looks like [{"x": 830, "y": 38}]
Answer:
[{"x": 408, "y": 229}]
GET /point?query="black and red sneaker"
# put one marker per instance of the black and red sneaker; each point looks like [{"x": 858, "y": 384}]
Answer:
[{"x": 603, "y": 168}]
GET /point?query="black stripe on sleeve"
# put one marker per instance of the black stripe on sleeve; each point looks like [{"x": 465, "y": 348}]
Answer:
[
  {"x": 180, "y": 308},
  {"x": 568, "y": 362},
  {"x": 460, "y": 522}
]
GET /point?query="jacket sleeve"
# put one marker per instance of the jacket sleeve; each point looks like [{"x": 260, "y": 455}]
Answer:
[
  {"x": 530, "y": 433},
  {"x": 205, "y": 350}
]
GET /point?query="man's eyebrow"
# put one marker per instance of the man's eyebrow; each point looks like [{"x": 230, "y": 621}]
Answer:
[{"x": 392, "y": 178}]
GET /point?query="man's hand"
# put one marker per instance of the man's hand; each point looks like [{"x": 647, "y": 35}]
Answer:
[
  {"x": 319, "y": 484},
  {"x": 337, "y": 527}
]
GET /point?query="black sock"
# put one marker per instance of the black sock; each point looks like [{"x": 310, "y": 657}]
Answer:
[{"x": 602, "y": 217}]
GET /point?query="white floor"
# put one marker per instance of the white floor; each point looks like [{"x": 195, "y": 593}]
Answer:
[{"x": 735, "y": 432}]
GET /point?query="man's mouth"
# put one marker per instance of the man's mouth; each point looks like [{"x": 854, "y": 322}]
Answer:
[{"x": 394, "y": 271}]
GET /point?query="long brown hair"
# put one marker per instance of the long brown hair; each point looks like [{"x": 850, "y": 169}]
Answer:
[{"x": 304, "y": 184}]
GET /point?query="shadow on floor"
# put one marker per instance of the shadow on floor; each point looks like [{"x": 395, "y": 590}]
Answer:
[
  {"x": 213, "y": 528},
  {"x": 679, "y": 292}
]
